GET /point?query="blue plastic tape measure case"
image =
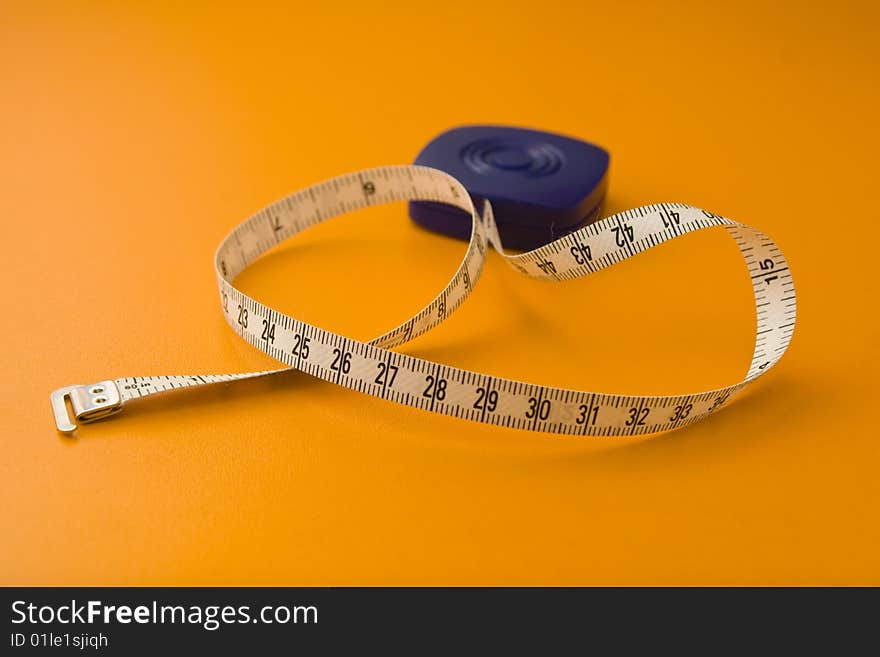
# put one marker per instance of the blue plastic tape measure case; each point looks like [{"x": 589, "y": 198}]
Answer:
[{"x": 541, "y": 185}]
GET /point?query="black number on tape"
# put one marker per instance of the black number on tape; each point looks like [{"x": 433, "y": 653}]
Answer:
[
  {"x": 341, "y": 361},
  {"x": 436, "y": 388},
  {"x": 637, "y": 417},
  {"x": 486, "y": 400},
  {"x": 301, "y": 346},
  {"x": 538, "y": 409},
  {"x": 387, "y": 374},
  {"x": 268, "y": 333}
]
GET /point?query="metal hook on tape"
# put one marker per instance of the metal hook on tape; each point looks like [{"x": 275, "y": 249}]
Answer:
[{"x": 90, "y": 402}]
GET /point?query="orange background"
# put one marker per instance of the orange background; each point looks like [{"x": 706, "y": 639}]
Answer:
[{"x": 134, "y": 139}]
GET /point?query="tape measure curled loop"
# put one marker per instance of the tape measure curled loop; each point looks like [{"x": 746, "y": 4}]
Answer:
[{"x": 374, "y": 368}]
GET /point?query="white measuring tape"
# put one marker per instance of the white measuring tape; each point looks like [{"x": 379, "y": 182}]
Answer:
[{"x": 372, "y": 368}]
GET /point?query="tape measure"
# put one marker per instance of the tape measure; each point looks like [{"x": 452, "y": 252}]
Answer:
[{"x": 375, "y": 369}]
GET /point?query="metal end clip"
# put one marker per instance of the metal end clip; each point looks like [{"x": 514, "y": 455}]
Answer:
[{"x": 89, "y": 402}]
